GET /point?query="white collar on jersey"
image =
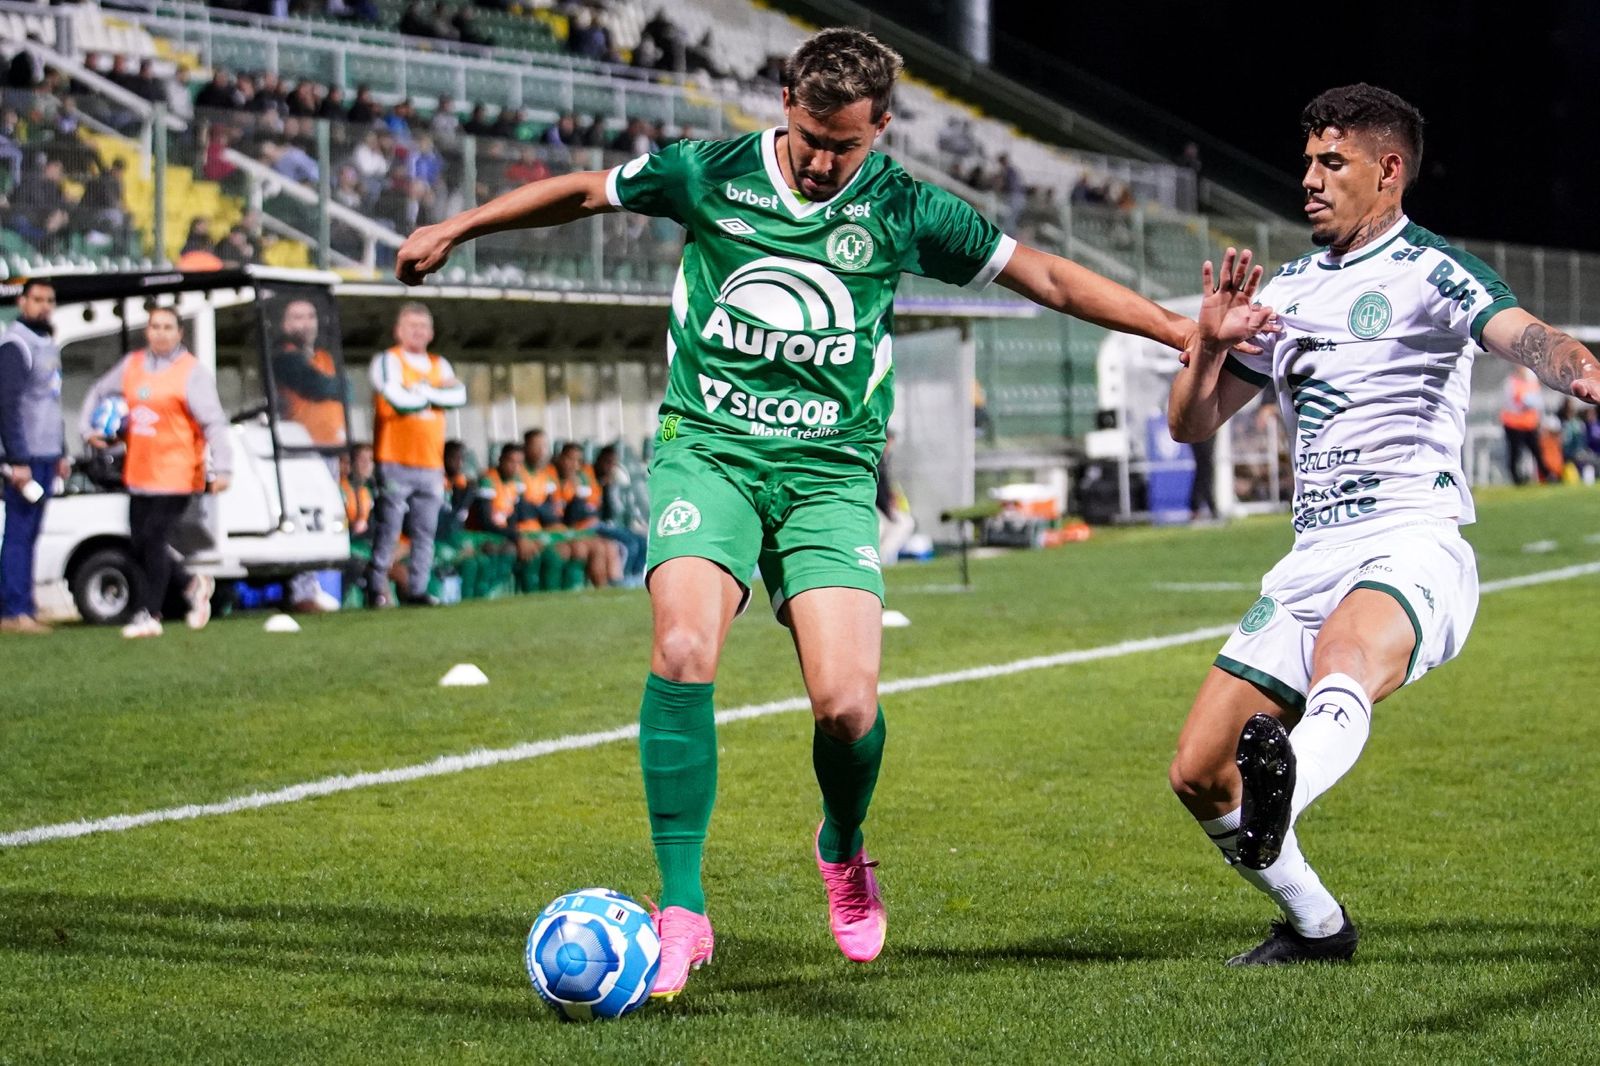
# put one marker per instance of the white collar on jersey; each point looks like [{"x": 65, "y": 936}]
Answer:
[
  {"x": 798, "y": 207},
  {"x": 1329, "y": 261}
]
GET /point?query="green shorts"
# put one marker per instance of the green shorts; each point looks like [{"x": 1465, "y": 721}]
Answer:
[{"x": 805, "y": 528}]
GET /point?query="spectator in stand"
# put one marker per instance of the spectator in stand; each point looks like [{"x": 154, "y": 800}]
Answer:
[
  {"x": 238, "y": 248},
  {"x": 528, "y": 167},
  {"x": 587, "y": 39},
  {"x": 32, "y": 444},
  {"x": 11, "y": 144},
  {"x": 564, "y": 134},
  {"x": 102, "y": 212},
  {"x": 411, "y": 390},
  {"x": 174, "y": 417},
  {"x": 400, "y": 120},
  {"x": 702, "y": 58},
  {"x": 512, "y": 124},
  {"x": 594, "y": 135},
  {"x": 957, "y": 142},
  {"x": 478, "y": 123},
  {"x": 148, "y": 85},
  {"x": 199, "y": 236},
  {"x": 371, "y": 163},
  {"x": 215, "y": 166},
  {"x": 444, "y": 23},
  {"x": 304, "y": 101},
  {"x": 424, "y": 163},
  {"x": 1520, "y": 416},
  {"x": 1012, "y": 189},
  {"x": 635, "y": 139},
  {"x": 465, "y": 24},
  {"x": 219, "y": 93},
  {"x": 42, "y": 207},
  {"x": 332, "y": 105},
  {"x": 26, "y": 70},
  {"x": 445, "y": 126},
  {"x": 269, "y": 97},
  {"x": 290, "y": 161},
  {"x": 364, "y": 108},
  {"x": 415, "y": 20},
  {"x": 622, "y": 517}
]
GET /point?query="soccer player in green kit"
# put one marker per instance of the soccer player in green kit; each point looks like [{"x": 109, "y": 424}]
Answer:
[{"x": 780, "y": 345}]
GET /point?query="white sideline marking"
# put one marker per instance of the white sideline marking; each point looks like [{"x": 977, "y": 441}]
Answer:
[
  {"x": 1202, "y": 586},
  {"x": 476, "y": 760}
]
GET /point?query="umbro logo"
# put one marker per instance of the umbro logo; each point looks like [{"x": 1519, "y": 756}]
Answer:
[
  {"x": 713, "y": 392},
  {"x": 736, "y": 226}
]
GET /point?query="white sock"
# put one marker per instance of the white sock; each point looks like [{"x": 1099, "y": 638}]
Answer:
[
  {"x": 1224, "y": 833},
  {"x": 1296, "y": 888},
  {"x": 1291, "y": 882},
  {"x": 1329, "y": 737}
]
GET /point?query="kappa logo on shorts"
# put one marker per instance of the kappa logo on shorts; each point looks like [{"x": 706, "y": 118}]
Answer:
[
  {"x": 1259, "y": 614},
  {"x": 869, "y": 558},
  {"x": 681, "y": 516}
]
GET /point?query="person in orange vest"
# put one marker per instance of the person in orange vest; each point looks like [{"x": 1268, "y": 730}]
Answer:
[
  {"x": 311, "y": 391},
  {"x": 1520, "y": 416},
  {"x": 174, "y": 417},
  {"x": 412, "y": 388},
  {"x": 572, "y": 502}
]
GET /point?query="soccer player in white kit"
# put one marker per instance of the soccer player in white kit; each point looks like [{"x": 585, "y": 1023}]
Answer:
[{"x": 1372, "y": 375}]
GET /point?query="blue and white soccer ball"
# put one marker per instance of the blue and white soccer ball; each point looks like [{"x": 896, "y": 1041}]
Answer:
[
  {"x": 108, "y": 418},
  {"x": 593, "y": 954}
]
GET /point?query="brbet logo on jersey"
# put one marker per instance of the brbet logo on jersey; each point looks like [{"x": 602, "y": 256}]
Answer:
[
  {"x": 850, "y": 247},
  {"x": 1370, "y": 315},
  {"x": 773, "y": 416},
  {"x": 775, "y": 305},
  {"x": 681, "y": 516},
  {"x": 750, "y": 199}
]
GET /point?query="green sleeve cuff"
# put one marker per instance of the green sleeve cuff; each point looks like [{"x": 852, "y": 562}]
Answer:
[
  {"x": 1486, "y": 314},
  {"x": 1244, "y": 373}
]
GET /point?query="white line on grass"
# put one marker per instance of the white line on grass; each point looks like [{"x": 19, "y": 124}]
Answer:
[{"x": 476, "y": 760}]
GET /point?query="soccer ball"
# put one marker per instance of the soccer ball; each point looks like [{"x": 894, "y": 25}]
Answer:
[
  {"x": 108, "y": 417},
  {"x": 593, "y": 954}
]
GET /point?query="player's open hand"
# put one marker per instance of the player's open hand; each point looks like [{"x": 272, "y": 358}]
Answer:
[
  {"x": 1229, "y": 316},
  {"x": 1587, "y": 388},
  {"x": 424, "y": 252}
]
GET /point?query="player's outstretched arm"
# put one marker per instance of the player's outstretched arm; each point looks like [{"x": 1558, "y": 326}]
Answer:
[
  {"x": 1560, "y": 360},
  {"x": 1062, "y": 285},
  {"x": 1203, "y": 396},
  {"x": 550, "y": 202}
]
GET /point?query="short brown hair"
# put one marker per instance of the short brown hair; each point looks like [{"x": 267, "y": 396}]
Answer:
[
  {"x": 1379, "y": 113},
  {"x": 835, "y": 68}
]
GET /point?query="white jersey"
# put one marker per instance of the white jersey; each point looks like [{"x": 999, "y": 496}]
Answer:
[{"x": 1372, "y": 375}]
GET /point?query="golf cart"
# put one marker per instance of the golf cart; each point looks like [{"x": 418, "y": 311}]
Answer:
[{"x": 263, "y": 333}]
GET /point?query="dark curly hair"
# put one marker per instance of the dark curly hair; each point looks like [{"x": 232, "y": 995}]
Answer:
[
  {"x": 834, "y": 68},
  {"x": 1364, "y": 108}
]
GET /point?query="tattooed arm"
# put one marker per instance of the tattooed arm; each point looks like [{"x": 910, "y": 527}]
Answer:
[{"x": 1561, "y": 362}]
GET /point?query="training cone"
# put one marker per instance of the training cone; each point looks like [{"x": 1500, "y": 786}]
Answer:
[
  {"x": 895, "y": 620},
  {"x": 463, "y": 674},
  {"x": 281, "y": 623}
]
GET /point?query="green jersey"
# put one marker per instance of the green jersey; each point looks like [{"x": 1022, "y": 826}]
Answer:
[{"x": 781, "y": 330}]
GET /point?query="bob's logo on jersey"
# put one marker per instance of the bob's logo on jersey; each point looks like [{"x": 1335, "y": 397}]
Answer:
[
  {"x": 850, "y": 247},
  {"x": 776, "y": 306}
]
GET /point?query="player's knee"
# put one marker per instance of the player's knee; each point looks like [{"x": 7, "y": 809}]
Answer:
[
  {"x": 1192, "y": 777},
  {"x": 846, "y": 712},
  {"x": 686, "y": 654}
]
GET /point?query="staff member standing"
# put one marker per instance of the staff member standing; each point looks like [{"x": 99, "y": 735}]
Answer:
[
  {"x": 412, "y": 388},
  {"x": 174, "y": 414},
  {"x": 31, "y": 444}
]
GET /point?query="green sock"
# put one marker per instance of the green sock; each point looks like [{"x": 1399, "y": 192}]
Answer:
[
  {"x": 678, "y": 756},
  {"x": 572, "y": 575},
  {"x": 847, "y": 772},
  {"x": 526, "y": 575},
  {"x": 550, "y": 564}
]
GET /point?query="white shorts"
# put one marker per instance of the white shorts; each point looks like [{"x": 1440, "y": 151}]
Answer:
[{"x": 1424, "y": 565}]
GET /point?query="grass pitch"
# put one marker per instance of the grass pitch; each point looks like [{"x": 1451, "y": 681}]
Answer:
[{"x": 1049, "y": 900}]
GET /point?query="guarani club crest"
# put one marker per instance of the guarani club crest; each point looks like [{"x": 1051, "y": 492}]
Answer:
[
  {"x": 1315, "y": 404},
  {"x": 1370, "y": 315}
]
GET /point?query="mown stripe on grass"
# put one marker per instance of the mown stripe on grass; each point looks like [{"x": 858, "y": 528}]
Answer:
[{"x": 477, "y": 760}]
